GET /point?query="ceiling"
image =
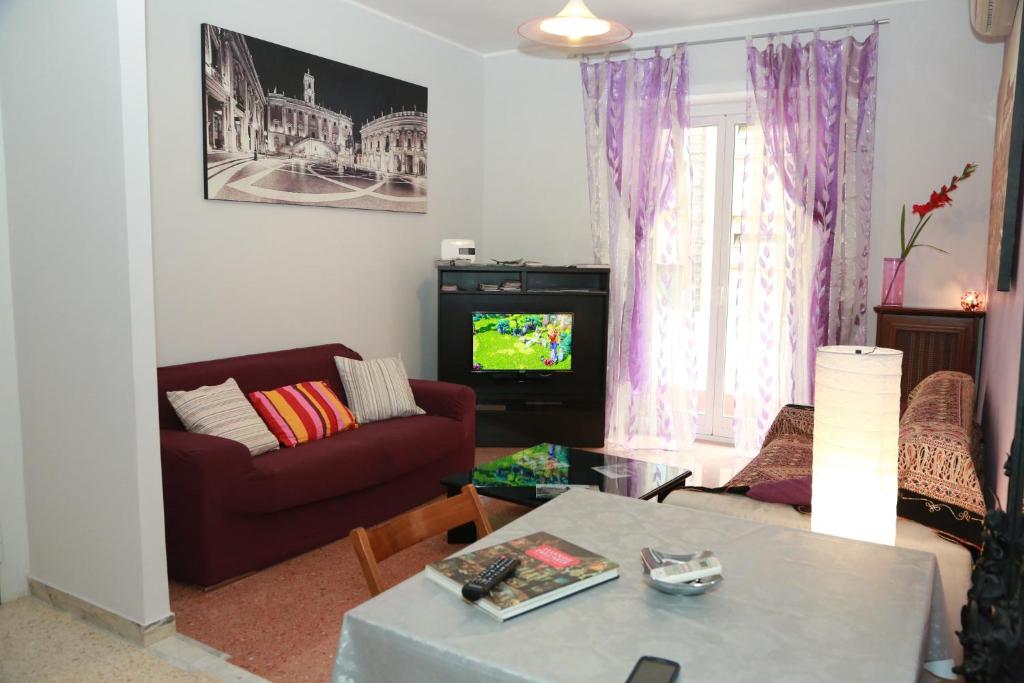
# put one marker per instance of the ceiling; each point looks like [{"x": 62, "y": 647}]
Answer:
[{"x": 490, "y": 25}]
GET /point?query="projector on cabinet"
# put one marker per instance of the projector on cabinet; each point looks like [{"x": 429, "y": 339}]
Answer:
[{"x": 458, "y": 250}]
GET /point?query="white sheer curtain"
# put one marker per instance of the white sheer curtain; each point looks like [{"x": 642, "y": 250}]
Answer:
[
  {"x": 806, "y": 222},
  {"x": 773, "y": 259},
  {"x": 636, "y": 121}
]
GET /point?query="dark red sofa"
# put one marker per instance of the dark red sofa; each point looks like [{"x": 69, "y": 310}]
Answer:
[{"x": 227, "y": 513}]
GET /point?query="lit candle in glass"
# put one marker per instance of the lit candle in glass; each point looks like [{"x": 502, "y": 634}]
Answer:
[{"x": 971, "y": 301}]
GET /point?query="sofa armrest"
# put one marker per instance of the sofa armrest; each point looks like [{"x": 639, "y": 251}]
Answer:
[
  {"x": 453, "y": 401},
  {"x": 445, "y": 399},
  {"x": 199, "y": 473},
  {"x": 202, "y": 457},
  {"x": 793, "y": 419}
]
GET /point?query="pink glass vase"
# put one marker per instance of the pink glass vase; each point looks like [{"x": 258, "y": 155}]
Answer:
[{"x": 894, "y": 271}]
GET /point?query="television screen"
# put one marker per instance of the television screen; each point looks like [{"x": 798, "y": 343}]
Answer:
[{"x": 516, "y": 342}]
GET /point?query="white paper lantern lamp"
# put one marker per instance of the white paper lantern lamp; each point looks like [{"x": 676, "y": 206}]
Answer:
[{"x": 856, "y": 442}]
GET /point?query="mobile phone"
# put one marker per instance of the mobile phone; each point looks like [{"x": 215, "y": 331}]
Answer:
[{"x": 654, "y": 670}]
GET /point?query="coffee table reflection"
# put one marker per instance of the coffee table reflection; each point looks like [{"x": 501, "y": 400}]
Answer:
[{"x": 537, "y": 474}]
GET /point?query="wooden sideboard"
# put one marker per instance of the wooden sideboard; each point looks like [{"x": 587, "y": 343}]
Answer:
[{"x": 931, "y": 339}]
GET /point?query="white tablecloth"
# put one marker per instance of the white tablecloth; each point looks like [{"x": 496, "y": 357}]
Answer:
[{"x": 794, "y": 606}]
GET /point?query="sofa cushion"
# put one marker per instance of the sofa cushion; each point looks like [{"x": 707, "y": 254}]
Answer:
[
  {"x": 787, "y": 456},
  {"x": 302, "y": 412},
  {"x": 789, "y": 491},
  {"x": 222, "y": 411},
  {"x": 351, "y": 461},
  {"x": 939, "y": 485},
  {"x": 254, "y": 372},
  {"x": 377, "y": 389}
]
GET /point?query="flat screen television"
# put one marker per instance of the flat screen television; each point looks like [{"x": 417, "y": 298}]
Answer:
[{"x": 522, "y": 342}]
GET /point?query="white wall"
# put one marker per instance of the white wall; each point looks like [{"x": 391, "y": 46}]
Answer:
[
  {"x": 75, "y": 145},
  {"x": 1000, "y": 374},
  {"x": 13, "y": 523},
  {"x": 936, "y": 102},
  {"x": 536, "y": 198},
  {"x": 1000, "y": 366},
  {"x": 236, "y": 278}
]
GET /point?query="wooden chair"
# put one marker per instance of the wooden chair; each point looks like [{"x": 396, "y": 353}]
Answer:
[{"x": 387, "y": 538}]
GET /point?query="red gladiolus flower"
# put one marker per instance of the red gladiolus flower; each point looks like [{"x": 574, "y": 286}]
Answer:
[
  {"x": 937, "y": 200},
  {"x": 941, "y": 198}
]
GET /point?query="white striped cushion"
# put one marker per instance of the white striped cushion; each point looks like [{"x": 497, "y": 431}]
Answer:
[
  {"x": 377, "y": 389},
  {"x": 223, "y": 410}
]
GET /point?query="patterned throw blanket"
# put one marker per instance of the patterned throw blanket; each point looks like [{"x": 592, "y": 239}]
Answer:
[
  {"x": 938, "y": 457},
  {"x": 786, "y": 452}
]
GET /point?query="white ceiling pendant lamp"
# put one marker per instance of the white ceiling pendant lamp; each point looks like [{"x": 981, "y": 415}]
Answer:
[{"x": 575, "y": 26}]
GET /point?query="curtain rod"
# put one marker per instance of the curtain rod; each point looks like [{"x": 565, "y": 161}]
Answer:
[{"x": 730, "y": 39}]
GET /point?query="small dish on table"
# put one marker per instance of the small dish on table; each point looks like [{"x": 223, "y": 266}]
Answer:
[{"x": 651, "y": 559}]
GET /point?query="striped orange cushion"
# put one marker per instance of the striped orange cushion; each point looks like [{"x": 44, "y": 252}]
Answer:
[{"x": 302, "y": 412}]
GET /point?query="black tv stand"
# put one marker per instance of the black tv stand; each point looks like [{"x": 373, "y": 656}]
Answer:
[
  {"x": 524, "y": 408},
  {"x": 522, "y": 376}
]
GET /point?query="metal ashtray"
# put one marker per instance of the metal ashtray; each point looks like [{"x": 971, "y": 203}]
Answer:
[{"x": 651, "y": 558}]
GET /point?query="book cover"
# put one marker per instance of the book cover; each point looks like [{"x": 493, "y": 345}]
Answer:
[{"x": 549, "y": 568}]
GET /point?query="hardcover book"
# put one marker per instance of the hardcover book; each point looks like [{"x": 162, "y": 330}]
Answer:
[{"x": 550, "y": 568}]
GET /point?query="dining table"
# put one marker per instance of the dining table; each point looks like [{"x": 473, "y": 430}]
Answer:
[{"x": 794, "y": 606}]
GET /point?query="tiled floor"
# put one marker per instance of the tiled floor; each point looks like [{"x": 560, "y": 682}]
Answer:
[
  {"x": 40, "y": 644},
  {"x": 191, "y": 655},
  {"x": 712, "y": 463},
  {"x": 283, "y": 622}
]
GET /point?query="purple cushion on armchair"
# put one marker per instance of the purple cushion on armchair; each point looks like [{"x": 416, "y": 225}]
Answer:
[{"x": 790, "y": 491}]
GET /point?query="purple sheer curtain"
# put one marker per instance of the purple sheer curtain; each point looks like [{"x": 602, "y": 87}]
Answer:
[
  {"x": 636, "y": 118},
  {"x": 806, "y": 225}
]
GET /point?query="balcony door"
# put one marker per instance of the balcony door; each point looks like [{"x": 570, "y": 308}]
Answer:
[{"x": 716, "y": 142}]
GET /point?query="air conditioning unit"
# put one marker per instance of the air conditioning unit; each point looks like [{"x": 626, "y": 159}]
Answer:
[{"x": 993, "y": 18}]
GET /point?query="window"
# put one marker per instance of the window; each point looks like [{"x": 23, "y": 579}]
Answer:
[
  {"x": 238, "y": 86},
  {"x": 716, "y": 143},
  {"x": 214, "y": 56}
]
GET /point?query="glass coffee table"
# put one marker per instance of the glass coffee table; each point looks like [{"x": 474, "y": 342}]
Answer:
[{"x": 537, "y": 474}]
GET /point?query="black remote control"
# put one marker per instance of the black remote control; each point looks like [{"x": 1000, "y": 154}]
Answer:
[{"x": 495, "y": 573}]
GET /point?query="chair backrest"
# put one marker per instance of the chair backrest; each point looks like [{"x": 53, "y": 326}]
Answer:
[{"x": 387, "y": 538}]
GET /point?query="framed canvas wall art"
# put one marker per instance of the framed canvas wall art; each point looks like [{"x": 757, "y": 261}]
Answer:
[{"x": 282, "y": 126}]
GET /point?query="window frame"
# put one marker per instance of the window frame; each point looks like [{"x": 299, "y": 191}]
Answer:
[{"x": 725, "y": 112}]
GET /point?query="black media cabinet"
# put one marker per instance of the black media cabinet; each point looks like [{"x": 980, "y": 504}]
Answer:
[{"x": 524, "y": 408}]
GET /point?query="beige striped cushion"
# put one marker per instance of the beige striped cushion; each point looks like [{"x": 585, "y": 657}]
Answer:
[
  {"x": 377, "y": 389},
  {"x": 224, "y": 411}
]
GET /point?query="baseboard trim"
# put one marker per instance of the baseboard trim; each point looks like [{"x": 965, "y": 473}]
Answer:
[
  {"x": 233, "y": 579},
  {"x": 142, "y": 635}
]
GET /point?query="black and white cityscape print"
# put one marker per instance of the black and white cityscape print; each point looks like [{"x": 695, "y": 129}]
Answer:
[{"x": 287, "y": 127}]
